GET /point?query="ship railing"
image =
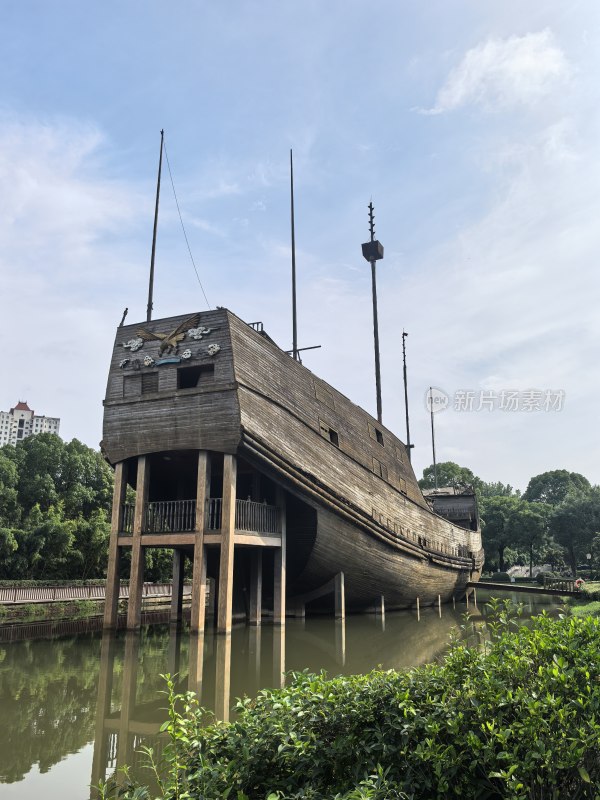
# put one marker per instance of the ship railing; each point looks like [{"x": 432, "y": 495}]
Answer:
[
  {"x": 260, "y": 517},
  {"x": 179, "y": 516},
  {"x": 170, "y": 516},
  {"x": 430, "y": 545},
  {"x": 249, "y": 516},
  {"x": 566, "y": 584}
]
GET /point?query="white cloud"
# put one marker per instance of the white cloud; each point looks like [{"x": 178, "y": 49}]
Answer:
[{"x": 501, "y": 73}]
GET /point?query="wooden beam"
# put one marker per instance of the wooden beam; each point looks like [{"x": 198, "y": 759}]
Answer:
[
  {"x": 198, "y": 614},
  {"x": 223, "y": 677},
  {"x": 111, "y": 604},
  {"x": 136, "y": 577},
  {"x": 227, "y": 544},
  {"x": 256, "y": 573},
  {"x": 177, "y": 589},
  {"x": 279, "y": 578},
  {"x": 339, "y": 594},
  {"x": 196, "y": 655},
  {"x": 279, "y": 657}
]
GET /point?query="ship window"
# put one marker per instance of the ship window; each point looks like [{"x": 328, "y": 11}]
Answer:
[
  {"x": 149, "y": 382},
  {"x": 379, "y": 436},
  {"x": 190, "y": 377},
  {"x": 132, "y": 385},
  {"x": 329, "y": 433},
  {"x": 380, "y": 469}
]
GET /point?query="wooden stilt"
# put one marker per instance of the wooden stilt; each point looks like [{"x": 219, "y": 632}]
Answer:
[
  {"x": 136, "y": 578},
  {"x": 467, "y": 597},
  {"x": 475, "y": 596},
  {"x": 340, "y": 640},
  {"x": 279, "y": 579},
  {"x": 440, "y": 605},
  {"x": 223, "y": 677},
  {"x": 380, "y": 606},
  {"x": 177, "y": 588},
  {"x": 339, "y": 596},
  {"x": 418, "y": 610},
  {"x": 256, "y": 569},
  {"x": 174, "y": 648},
  {"x": 254, "y": 655},
  {"x": 198, "y": 611},
  {"x": 279, "y": 656},
  {"x": 453, "y": 601},
  {"x": 227, "y": 545},
  {"x": 196, "y": 662},
  {"x": 111, "y": 605}
]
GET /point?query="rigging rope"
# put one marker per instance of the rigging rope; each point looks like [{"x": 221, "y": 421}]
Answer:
[{"x": 183, "y": 226}]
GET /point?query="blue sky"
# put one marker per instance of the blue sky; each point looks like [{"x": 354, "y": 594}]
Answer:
[{"x": 474, "y": 127}]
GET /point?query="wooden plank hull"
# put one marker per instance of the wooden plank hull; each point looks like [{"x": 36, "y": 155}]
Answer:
[{"x": 355, "y": 504}]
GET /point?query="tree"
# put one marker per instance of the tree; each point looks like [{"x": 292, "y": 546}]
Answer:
[
  {"x": 529, "y": 525},
  {"x": 554, "y": 486},
  {"x": 448, "y": 474},
  {"x": 497, "y": 525},
  {"x": 574, "y": 524}
]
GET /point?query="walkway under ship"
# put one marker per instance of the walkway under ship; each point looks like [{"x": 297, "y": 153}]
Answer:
[{"x": 249, "y": 464}]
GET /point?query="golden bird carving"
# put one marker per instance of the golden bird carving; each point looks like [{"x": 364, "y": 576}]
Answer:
[{"x": 169, "y": 341}]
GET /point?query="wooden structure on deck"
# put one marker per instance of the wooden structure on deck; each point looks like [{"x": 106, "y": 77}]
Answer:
[{"x": 276, "y": 486}]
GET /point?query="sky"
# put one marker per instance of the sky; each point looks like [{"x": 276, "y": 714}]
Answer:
[{"x": 473, "y": 127}]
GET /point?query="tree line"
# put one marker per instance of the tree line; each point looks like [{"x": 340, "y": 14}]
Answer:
[
  {"x": 55, "y": 500},
  {"x": 555, "y": 521}
]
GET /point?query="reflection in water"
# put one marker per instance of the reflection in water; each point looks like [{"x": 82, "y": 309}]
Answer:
[{"x": 57, "y": 695}]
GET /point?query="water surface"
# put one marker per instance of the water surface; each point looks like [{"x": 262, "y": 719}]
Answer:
[{"x": 75, "y": 706}]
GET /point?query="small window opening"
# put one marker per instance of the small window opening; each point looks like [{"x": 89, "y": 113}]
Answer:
[
  {"x": 190, "y": 377},
  {"x": 149, "y": 382},
  {"x": 333, "y": 437},
  {"x": 379, "y": 436}
]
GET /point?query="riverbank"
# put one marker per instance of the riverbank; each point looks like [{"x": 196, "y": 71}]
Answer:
[{"x": 514, "y": 717}]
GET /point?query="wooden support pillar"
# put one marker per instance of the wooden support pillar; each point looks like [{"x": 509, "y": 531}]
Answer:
[
  {"x": 174, "y": 648},
  {"x": 340, "y": 641},
  {"x": 198, "y": 612},
  {"x": 111, "y": 604},
  {"x": 279, "y": 657},
  {"x": 256, "y": 574},
  {"x": 254, "y": 657},
  {"x": 223, "y": 677},
  {"x": 136, "y": 577},
  {"x": 339, "y": 596},
  {"x": 279, "y": 578},
  {"x": 177, "y": 588},
  {"x": 380, "y": 606},
  {"x": 227, "y": 545},
  {"x": 196, "y": 655}
]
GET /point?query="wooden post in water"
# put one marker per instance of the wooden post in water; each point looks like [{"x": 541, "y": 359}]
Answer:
[
  {"x": 136, "y": 578},
  {"x": 196, "y": 657},
  {"x": 440, "y": 604},
  {"x": 111, "y": 604},
  {"x": 279, "y": 656},
  {"x": 453, "y": 601},
  {"x": 256, "y": 574},
  {"x": 177, "y": 587},
  {"x": 418, "y": 611},
  {"x": 198, "y": 612},
  {"x": 339, "y": 596},
  {"x": 223, "y": 677},
  {"x": 227, "y": 545},
  {"x": 279, "y": 578}
]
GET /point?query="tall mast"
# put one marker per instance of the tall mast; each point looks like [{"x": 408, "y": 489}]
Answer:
[
  {"x": 409, "y": 446},
  {"x": 151, "y": 283},
  {"x": 295, "y": 353},
  {"x": 433, "y": 437},
  {"x": 373, "y": 252}
]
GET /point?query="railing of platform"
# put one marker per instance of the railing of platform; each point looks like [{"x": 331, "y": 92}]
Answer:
[
  {"x": 252, "y": 516},
  {"x": 170, "y": 516}
]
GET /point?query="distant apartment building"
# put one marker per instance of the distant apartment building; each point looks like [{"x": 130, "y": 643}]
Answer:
[{"x": 21, "y": 422}]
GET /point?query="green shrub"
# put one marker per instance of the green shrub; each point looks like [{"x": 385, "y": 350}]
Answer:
[
  {"x": 500, "y": 577},
  {"x": 542, "y": 575},
  {"x": 516, "y": 717}
]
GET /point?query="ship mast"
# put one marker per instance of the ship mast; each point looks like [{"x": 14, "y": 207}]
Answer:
[
  {"x": 295, "y": 353},
  {"x": 435, "y": 482},
  {"x": 409, "y": 446},
  {"x": 151, "y": 283},
  {"x": 373, "y": 252}
]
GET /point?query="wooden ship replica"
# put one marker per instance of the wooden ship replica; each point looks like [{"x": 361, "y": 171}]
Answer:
[{"x": 283, "y": 493}]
